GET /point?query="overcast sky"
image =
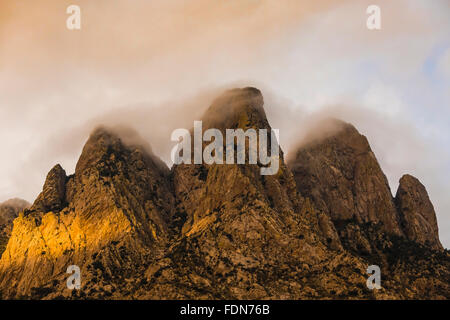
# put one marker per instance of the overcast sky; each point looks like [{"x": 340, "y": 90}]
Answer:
[{"x": 155, "y": 65}]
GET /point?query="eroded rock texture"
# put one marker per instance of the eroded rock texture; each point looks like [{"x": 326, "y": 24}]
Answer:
[
  {"x": 417, "y": 212},
  {"x": 337, "y": 169},
  {"x": 9, "y": 210},
  {"x": 53, "y": 195},
  {"x": 246, "y": 235},
  {"x": 341, "y": 174},
  {"x": 141, "y": 231},
  {"x": 110, "y": 218}
]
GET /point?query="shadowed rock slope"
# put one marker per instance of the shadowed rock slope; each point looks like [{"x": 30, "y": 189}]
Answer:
[
  {"x": 417, "y": 216},
  {"x": 337, "y": 169},
  {"x": 141, "y": 231},
  {"x": 248, "y": 236}
]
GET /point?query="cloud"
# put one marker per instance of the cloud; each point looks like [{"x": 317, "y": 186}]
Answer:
[{"x": 444, "y": 64}]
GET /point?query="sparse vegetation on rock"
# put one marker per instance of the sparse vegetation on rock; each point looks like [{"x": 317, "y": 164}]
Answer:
[{"x": 139, "y": 230}]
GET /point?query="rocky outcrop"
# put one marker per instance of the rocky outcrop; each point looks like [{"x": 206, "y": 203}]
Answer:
[
  {"x": 203, "y": 189},
  {"x": 337, "y": 169},
  {"x": 247, "y": 235},
  {"x": 342, "y": 176},
  {"x": 9, "y": 210},
  {"x": 110, "y": 218},
  {"x": 138, "y": 230},
  {"x": 52, "y": 197},
  {"x": 417, "y": 212}
]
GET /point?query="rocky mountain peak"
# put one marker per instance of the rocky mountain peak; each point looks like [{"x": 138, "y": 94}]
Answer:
[
  {"x": 114, "y": 145},
  {"x": 417, "y": 212},
  {"x": 237, "y": 108},
  {"x": 211, "y": 231},
  {"x": 113, "y": 212},
  {"x": 52, "y": 197},
  {"x": 118, "y": 168},
  {"x": 254, "y": 216},
  {"x": 338, "y": 170},
  {"x": 101, "y": 144},
  {"x": 336, "y": 131}
]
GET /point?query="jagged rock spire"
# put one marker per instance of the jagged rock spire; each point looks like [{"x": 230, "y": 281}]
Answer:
[
  {"x": 339, "y": 171},
  {"x": 138, "y": 230},
  {"x": 417, "y": 212},
  {"x": 237, "y": 108},
  {"x": 52, "y": 197}
]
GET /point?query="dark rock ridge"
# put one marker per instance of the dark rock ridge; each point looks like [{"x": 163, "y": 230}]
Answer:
[
  {"x": 417, "y": 212},
  {"x": 341, "y": 174},
  {"x": 52, "y": 197},
  {"x": 337, "y": 169},
  {"x": 253, "y": 236},
  {"x": 141, "y": 231}
]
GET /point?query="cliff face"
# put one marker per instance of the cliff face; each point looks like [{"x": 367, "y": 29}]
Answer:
[
  {"x": 9, "y": 210},
  {"x": 342, "y": 176},
  {"x": 248, "y": 235},
  {"x": 204, "y": 189},
  {"x": 337, "y": 169},
  {"x": 417, "y": 212},
  {"x": 110, "y": 218},
  {"x": 139, "y": 230},
  {"x": 53, "y": 195}
]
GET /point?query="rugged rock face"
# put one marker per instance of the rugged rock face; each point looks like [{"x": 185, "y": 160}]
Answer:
[
  {"x": 203, "y": 189},
  {"x": 417, "y": 212},
  {"x": 9, "y": 210},
  {"x": 138, "y": 230},
  {"x": 246, "y": 235},
  {"x": 337, "y": 169},
  {"x": 53, "y": 195},
  {"x": 341, "y": 174},
  {"x": 110, "y": 218}
]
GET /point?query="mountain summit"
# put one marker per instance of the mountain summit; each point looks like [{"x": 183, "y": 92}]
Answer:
[
  {"x": 139, "y": 230},
  {"x": 340, "y": 173},
  {"x": 112, "y": 214}
]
